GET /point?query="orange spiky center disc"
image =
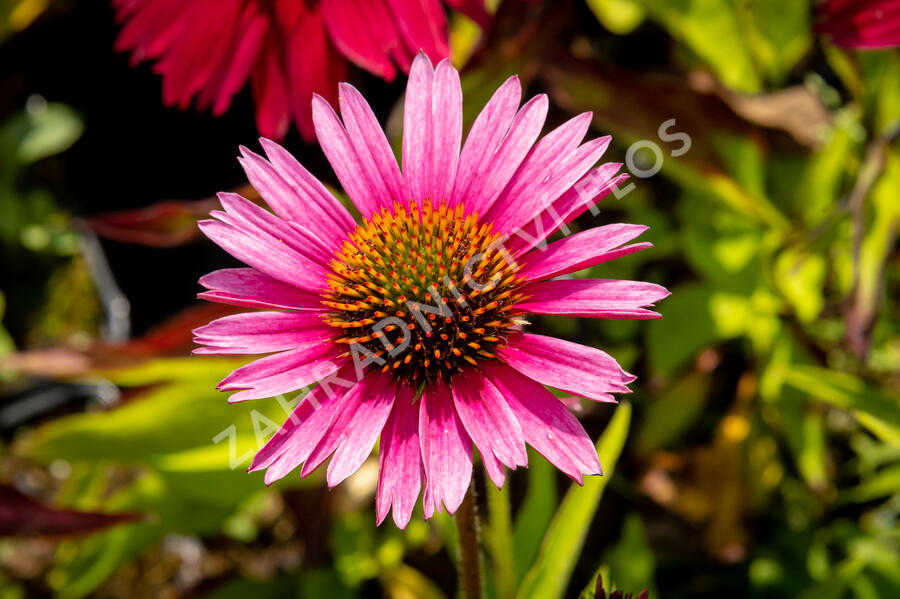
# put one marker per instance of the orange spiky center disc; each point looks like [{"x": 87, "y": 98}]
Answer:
[{"x": 423, "y": 292}]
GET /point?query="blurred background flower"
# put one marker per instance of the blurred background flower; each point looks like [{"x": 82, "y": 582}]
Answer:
[
  {"x": 860, "y": 23},
  {"x": 287, "y": 49}
]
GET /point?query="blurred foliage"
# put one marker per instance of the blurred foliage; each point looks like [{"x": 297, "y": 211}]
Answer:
[{"x": 758, "y": 457}]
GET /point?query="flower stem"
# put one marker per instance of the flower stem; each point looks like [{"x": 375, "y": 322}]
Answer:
[{"x": 469, "y": 555}]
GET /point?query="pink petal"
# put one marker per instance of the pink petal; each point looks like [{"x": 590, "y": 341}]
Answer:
[
  {"x": 314, "y": 203},
  {"x": 305, "y": 427},
  {"x": 244, "y": 214},
  {"x": 260, "y": 332},
  {"x": 284, "y": 372},
  {"x": 494, "y": 468},
  {"x": 580, "y": 251},
  {"x": 541, "y": 162},
  {"x": 364, "y": 186},
  {"x": 500, "y": 166},
  {"x": 446, "y": 451},
  {"x": 372, "y": 147},
  {"x": 253, "y": 289},
  {"x": 266, "y": 254},
  {"x": 489, "y": 421},
  {"x": 295, "y": 195},
  {"x": 590, "y": 189},
  {"x": 593, "y": 298},
  {"x": 484, "y": 140},
  {"x": 418, "y": 169},
  {"x": 564, "y": 175},
  {"x": 354, "y": 429},
  {"x": 546, "y": 423},
  {"x": 432, "y": 129},
  {"x": 400, "y": 460},
  {"x": 567, "y": 366},
  {"x": 447, "y": 126}
]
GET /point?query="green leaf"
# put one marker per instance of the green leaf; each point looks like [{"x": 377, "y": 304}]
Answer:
[
  {"x": 880, "y": 237},
  {"x": 631, "y": 561},
  {"x": 6, "y": 343},
  {"x": 884, "y": 483},
  {"x": 779, "y": 34},
  {"x": 686, "y": 328},
  {"x": 498, "y": 537},
  {"x": 713, "y": 30},
  {"x": 535, "y": 513},
  {"x": 52, "y": 128},
  {"x": 876, "y": 410},
  {"x": 549, "y": 576},
  {"x": 17, "y": 15},
  {"x": 169, "y": 419},
  {"x": 85, "y": 565},
  {"x": 825, "y": 173},
  {"x": 881, "y": 74},
  {"x": 619, "y": 16},
  {"x": 800, "y": 276},
  {"x": 670, "y": 415},
  {"x": 404, "y": 581}
]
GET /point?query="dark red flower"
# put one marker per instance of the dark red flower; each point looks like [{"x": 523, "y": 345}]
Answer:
[
  {"x": 863, "y": 24},
  {"x": 206, "y": 50}
]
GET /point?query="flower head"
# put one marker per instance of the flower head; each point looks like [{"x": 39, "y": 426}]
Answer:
[
  {"x": 864, "y": 24},
  {"x": 288, "y": 49},
  {"x": 412, "y": 319}
]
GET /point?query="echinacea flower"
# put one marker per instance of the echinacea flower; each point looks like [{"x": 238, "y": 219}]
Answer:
[
  {"x": 288, "y": 49},
  {"x": 862, "y": 24},
  {"x": 411, "y": 320}
]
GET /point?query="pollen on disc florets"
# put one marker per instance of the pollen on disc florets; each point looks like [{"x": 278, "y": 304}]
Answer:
[{"x": 423, "y": 292}]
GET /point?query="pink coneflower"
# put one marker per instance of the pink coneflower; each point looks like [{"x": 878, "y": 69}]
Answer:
[
  {"x": 863, "y": 24},
  {"x": 412, "y": 319},
  {"x": 288, "y": 49}
]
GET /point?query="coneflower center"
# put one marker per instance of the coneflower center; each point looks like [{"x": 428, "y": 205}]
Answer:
[{"x": 423, "y": 293}]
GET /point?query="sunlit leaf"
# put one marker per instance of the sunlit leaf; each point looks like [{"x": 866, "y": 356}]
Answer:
[
  {"x": 881, "y": 75},
  {"x": 779, "y": 34},
  {"x": 714, "y": 32},
  {"x": 17, "y": 15},
  {"x": 800, "y": 276},
  {"x": 883, "y": 483},
  {"x": 52, "y": 128},
  {"x": 875, "y": 409},
  {"x": 619, "y": 16},
  {"x": 6, "y": 343},
  {"x": 171, "y": 418}
]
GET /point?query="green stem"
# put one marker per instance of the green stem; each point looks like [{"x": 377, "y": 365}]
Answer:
[
  {"x": 500, "y": 540},
  {"x": 466, "y": 519}
]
